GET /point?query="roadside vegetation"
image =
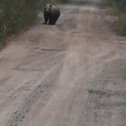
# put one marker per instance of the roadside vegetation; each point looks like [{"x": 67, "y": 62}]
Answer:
[
  {"x": 16, "y": 15},
  {"x": 119, "y": 9}
]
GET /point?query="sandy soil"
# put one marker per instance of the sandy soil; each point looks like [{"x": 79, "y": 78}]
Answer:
[{"x": 71, "y": 74}]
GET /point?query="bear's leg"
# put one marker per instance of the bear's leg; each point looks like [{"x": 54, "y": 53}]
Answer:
[
  {"x": 46, "y": 17},
  {"x": 56, "y": 18},
  {"x": 51, "y": 20}
]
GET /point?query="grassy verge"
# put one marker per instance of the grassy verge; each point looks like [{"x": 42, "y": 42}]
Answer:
[
  {"x": 119, "y": 26},
  {"x": 15, "y": 15},
  {"x": 119, "y": 9}
]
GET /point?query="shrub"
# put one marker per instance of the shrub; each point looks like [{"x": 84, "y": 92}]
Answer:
[
  {"x": 119, "y": 7},
  {"x": 16, "y": 14},
  {"x": 120, "y": 25}
]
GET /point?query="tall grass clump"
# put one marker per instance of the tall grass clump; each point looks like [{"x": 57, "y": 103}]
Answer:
[
  {"x": 119, "y": 7},
  {"x": 15, "y": 15}
]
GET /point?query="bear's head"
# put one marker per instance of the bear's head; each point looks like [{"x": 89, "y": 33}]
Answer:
[{"x": 48, "y": 8}]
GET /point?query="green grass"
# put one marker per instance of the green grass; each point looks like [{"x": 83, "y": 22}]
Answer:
[
  {"x": 118, "y": 8},
  {"x": 2, "y": 44},
  {"x": 120, "y": 25}
]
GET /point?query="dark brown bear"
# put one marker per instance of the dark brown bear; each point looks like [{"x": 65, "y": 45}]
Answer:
[{"x": 51, "y": 14}]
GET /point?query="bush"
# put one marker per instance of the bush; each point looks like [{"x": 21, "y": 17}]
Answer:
[
  {"x": 120, "y": 25},
  {"x": 118, "y": 4},
  {"x": 119, "y": 7},
  {"x": 16, "y": 14}
]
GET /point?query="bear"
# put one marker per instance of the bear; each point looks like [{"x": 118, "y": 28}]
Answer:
[{"x": 51, "y": 14}]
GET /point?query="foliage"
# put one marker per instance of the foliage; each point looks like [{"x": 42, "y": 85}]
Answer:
[
  {"x": 15, "y": 15},
  {"x": 119, "y": 7},
  {"x": 120, "y": 25}
]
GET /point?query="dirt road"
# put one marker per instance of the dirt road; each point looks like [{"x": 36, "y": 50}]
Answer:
[{"x": 71, "y": 74}]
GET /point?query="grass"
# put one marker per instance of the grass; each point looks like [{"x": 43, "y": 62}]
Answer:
[
  {"x": 2, "y": 44},
  {"x": 119, "y": 26},
  {"x": 118, "y": 9}
]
